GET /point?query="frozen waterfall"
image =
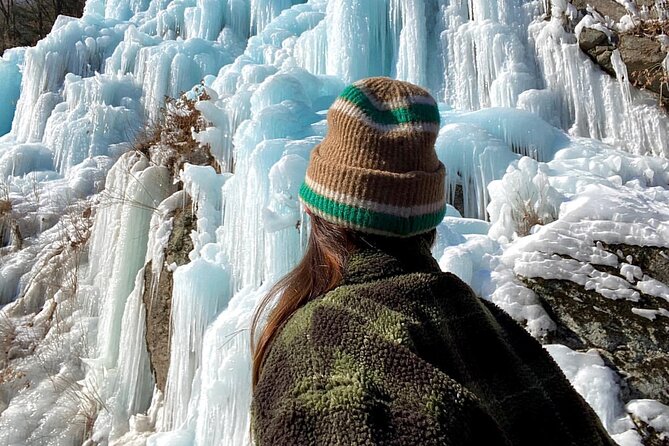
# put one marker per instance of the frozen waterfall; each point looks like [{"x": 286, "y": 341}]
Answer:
[{"x": 527, "y": 120}]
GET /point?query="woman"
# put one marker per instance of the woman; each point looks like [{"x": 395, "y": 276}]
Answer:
[{"x": 370, "y": 343}]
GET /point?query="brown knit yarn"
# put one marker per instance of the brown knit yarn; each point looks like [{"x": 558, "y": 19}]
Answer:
[{"x": 376, "y": 170}]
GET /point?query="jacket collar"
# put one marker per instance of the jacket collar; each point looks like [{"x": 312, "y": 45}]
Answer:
[{"x": 373, "y": 263}]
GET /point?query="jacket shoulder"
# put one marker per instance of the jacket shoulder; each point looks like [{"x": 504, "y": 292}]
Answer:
[{"x": 342, "y": 371}]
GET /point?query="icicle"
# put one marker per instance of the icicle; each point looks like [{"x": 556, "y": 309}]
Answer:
[
  {"x": 412, "y": 52},
  {"x": 201, "y": 289},
  {"x": 311, "y": 49},
  {"x": 127, "y": 222},
  {"x": 473, "y": 158},
  {"x": 366, "y": 55},
  {"x": 271, "y": 69},
  {"x": 131, "y": 393},
  {"x": 77, "y": 47},
  {"x": 621, "y": 74},
  {"x": 225, "y": 390}
]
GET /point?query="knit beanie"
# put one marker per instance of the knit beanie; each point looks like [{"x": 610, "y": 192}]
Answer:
[{"x": 376, "y": 170}]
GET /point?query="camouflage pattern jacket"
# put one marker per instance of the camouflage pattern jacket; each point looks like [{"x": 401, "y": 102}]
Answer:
[{"x": 404, "y": 354}]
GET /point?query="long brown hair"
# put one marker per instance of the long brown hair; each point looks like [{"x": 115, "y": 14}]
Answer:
[{"x": 320, "y": 270}]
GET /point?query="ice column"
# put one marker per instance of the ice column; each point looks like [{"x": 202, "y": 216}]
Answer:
[
  {"x": 201, "y": 289},
  {"x": 357, "y": 32},
  {"x": 130, "y": 393},
  {"x": 98, "y": 113},
  {"x": 486, "y": 60},
  {"x": 120, "y": 244},
  {"x": 225, "y": 389},
  {"x": 473, "y": 158},
  {"x": 73, "y": 46},
  {"x": 259, "y": 144},
  {"x": 413, "y": 49},
  {"x": 10, "y": 86}
]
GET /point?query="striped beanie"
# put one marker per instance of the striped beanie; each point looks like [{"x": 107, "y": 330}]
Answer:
[{"x": 376, "y": 170}]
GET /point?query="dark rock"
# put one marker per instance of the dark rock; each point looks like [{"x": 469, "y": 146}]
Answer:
[
  {"x": 590, "y": 38},
  {"x": 649, "y": 436},
  {"x": 603, "y": 59},
  {"x": 596, "y": 45},
  {"x": 158, "y": 294},
  {"x": 653, "y": 260},
  {"x": 458, "y": 200},
  {"x": 643, "y": 56},
  {"x": 180, "y": 243},
  {"x": 640, "y": 52},
  {"x": 636, "y": 347}
]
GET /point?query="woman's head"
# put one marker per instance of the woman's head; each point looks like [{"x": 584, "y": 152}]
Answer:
[
  {"x": 377, "y": 171},
  {"x": 373, "y": 180}
]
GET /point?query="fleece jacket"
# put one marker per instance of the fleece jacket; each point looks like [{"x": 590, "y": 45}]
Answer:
[{"x": 404, "y": 354}]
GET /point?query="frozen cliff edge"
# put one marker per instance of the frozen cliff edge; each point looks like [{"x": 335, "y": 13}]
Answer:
[{"x": 129, "y": 273}]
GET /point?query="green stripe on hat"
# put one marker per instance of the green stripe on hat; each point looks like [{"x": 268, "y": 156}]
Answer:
[
  {"x": 360, "y": 218},
  {"x": 414, "y": 113}
]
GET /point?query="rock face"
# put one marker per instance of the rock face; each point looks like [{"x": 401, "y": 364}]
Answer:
[
  {"x": 158, "y": 294},
  {"x": 639, "y": 49},
  {"x": 607, "y": 8},
  {"x": 639, "y": 52},
  {"x": 632, "y": 344},
  {"x": 644, "y": 56},
  {"x": 596, "y": 45},
  {"x": 170, "y": 143}
]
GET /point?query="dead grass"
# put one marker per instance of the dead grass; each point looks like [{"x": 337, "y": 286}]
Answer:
[
  {"x": 650, "y": 77},
  {"x": 10, "y": 234},
  {"x": 651, "y": 27},
  {"x": 169, "y": 141},
  {"x": 5, "y": 208},
  {"x": 525, "y": 216}
]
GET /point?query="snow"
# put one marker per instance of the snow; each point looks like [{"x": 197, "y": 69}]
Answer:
[
  {"x": 652, "y": 412},
  {"x": 570, "y": 247},
  {"x": 596, "y": 383},
  {"x": 648, "y": 314},
  {"x": 552, "y": 157}
]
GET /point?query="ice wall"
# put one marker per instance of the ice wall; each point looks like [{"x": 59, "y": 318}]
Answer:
[
  {"x": 75, "y": 47},
  {"x": 118, "y": 368},
  {"x": 514, "y": 93},
  {"x": 10, "y": 86},
  {"x": 587, "y": 102}
]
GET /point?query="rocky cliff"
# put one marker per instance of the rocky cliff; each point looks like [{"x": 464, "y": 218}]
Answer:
[{"x": 638, "y": 31}]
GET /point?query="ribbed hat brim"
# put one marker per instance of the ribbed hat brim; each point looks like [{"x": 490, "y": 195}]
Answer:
[{"x": 394, "y": 204}]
